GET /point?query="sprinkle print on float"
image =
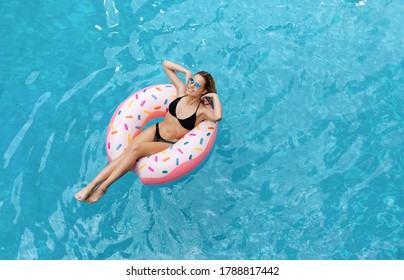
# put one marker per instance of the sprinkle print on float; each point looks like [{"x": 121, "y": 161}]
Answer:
[{"x": 172, "y": 163}]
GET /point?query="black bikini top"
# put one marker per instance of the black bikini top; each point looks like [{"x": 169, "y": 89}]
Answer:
[{"x": 188, "y": 123}]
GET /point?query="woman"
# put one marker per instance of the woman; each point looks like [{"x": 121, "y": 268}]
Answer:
[{"x": 185, "y": 112}]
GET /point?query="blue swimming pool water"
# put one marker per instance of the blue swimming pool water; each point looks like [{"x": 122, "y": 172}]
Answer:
[{"x": 308, "y": 162}]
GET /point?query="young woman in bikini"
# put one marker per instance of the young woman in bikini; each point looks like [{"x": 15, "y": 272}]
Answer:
[{"x": 185, "y": 112}]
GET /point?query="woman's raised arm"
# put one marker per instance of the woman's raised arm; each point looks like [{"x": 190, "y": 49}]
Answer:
[
  {"x": 171, "y": 68},
  {"x": 216, "y": 114}
]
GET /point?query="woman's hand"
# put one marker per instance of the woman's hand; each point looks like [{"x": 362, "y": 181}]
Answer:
[
  {"x": 188, "y": 75},
  {"x": 207, "y": 97},
  {"x": 210, "y": 94}
]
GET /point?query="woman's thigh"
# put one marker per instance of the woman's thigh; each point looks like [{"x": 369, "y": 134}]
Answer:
[
  {"x": 145, "y": 144},
  {"x": 149, "y": 148},
  {"x": 146, "y": 135}
]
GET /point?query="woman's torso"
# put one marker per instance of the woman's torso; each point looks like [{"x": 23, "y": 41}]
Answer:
[{"x": 171, "y": 127}]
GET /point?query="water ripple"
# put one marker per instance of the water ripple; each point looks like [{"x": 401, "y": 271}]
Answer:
[
  {"x": 57, "y": 222},
  {"x": 112, "y": 13},
  {"x": 80, "y": 85},
  {"x": 27, "y": 249},
  {"x": 15, "y": 196},
  {"x": 46, "y": 153},
  {"x": 32, "y": 77},
  {"x": 15, "y": 143}
]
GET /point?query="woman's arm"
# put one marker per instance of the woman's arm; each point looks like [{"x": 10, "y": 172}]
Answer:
[
  {"x": 171, "y": 68},
  {"x": 216, "y": 114}
]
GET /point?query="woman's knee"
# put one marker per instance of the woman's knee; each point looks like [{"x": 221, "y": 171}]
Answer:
[{"x": 133, "y": 148}]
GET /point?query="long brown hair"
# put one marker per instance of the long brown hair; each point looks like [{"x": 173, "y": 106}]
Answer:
[{"x": 210, "y": 84}]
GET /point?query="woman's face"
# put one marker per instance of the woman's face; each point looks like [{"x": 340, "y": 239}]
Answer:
[{"x": 196, "y": 85}]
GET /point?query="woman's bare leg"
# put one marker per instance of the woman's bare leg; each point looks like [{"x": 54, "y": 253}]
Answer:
[
  {"x": 146, "y": 135},
  {"x": 101, "y": 177},
  {"x": 138, "y": 150}
]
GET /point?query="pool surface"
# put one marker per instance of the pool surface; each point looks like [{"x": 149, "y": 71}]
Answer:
[{"x": 308, "y": 160}]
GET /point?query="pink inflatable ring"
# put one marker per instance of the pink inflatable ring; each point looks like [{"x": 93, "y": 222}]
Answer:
[{"x": 174, "y": 162}]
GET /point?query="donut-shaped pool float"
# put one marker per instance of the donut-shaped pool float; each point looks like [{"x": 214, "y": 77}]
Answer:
[{"x": 170, "y": 164}]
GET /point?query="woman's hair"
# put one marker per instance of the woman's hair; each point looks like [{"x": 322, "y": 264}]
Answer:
[{"x": 210, "y": 84}]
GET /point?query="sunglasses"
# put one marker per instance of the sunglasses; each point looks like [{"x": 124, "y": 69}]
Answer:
[{"x": 195, "y": 84}]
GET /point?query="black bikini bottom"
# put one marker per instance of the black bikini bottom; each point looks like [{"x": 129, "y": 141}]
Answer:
[{"x": 158, "y": 138}]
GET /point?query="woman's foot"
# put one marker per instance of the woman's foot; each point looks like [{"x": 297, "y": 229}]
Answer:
[
  {"x": 96, "y": 195},
  {"x": 85, "y": 192}
]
